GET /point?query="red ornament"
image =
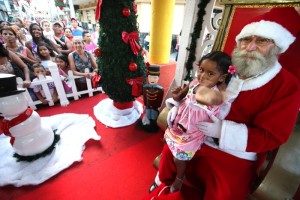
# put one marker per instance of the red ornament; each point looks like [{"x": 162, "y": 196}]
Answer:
[
  {"x": 60, "y": 7},
  {"x": 132, "y": 66},
  {"x": 126, "y": 12},
  {"x": 97, "y": 52}
]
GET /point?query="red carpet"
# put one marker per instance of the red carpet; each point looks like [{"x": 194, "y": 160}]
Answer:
[{"x": 119, "y": 166}]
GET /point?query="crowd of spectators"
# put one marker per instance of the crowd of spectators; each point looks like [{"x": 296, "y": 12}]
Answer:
[{"x": 28, "y": 48}]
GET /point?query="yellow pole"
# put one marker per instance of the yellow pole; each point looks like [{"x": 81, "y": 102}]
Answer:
[{"x": 161, "y": 31}]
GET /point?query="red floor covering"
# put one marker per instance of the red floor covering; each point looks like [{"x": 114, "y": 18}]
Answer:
[{"x": 119, "y": 166}]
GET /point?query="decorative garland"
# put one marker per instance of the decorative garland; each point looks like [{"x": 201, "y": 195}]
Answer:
[
  {"x": 39, "y": 155},
  {"x": 195, "y": 35}
]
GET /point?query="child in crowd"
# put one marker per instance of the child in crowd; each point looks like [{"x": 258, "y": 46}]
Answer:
[
  {"x": 38, "y": 89},
  {"x": 201, "y": 101},
  {"x": 47, "y": 55},
  {"x": 63, "y": 68},
  {"x": 47, "y": 29}
]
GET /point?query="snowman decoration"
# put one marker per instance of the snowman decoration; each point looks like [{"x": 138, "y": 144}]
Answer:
[{"x": 30, "y": 138}]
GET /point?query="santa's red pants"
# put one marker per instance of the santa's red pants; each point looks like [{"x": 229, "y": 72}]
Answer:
[{"x": 214, "y": 175}]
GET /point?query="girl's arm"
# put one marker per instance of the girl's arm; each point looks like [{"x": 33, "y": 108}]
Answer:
[
  {"x": 29, "y": 58},
  {"x": 208, "y": 96},
  {"x": 53, "y": 45},
  {"x": 23, "y": 66},
  {"x": 179, "y": 93},
  {"x": 41, "y": 98},
  {"x": 55, "y": 96},
  {"x": 28, "y": 44},
  {"x": 68, "y": 43}
]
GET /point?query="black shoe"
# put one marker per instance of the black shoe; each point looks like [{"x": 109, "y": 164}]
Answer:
[{"x": 153, "y": 187}]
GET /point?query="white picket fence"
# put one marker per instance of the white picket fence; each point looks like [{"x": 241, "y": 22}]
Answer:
[{"x": 63, "y": 97}]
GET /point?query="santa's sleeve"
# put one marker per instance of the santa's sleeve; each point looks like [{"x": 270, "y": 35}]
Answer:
[{"x": 271, "y": 126}]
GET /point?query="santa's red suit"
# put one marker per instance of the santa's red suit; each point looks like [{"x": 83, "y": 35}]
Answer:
[
  {"x": 258, "y": 116},
  {"x": 261, "y": 118}
]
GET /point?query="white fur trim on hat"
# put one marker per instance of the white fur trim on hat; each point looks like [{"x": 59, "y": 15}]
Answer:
[{"x": 271, "y": 30}]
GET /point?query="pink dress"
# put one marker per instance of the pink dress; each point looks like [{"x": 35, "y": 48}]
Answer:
[
  {"x": 65, "y": 81},
  {"x": 184, "y": 138}
]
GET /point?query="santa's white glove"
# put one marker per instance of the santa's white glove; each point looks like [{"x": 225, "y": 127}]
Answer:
[
  {"x": 145, "y": 120},
  {"x": 211, "y": 129},
  {"x": 171, "y": 116}
]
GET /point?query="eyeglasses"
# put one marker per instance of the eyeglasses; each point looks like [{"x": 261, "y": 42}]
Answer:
[{"x": 259, "y": 41}]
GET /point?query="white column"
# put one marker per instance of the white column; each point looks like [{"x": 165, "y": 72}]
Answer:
[
  {"x": 187, "y": 28},
  {"x": 72, "y": 11}
]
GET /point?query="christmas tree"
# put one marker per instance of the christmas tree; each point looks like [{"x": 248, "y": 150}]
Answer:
[
  {"x": 118, "y": 62},
  {"x": 119, "y": 58}
]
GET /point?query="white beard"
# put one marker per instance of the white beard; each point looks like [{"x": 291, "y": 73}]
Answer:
[{"x": 256, "y": 65}]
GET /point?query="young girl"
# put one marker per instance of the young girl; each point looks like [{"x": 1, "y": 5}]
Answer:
[
  {"x": 46, "y": 54},
  {"x": 200, "y": 101},
  {"x": 63, "y": 68},
  {"x": 47, "y": 29}
]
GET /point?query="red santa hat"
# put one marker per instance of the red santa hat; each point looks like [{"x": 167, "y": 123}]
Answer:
[{"x": 279, "y": 24}]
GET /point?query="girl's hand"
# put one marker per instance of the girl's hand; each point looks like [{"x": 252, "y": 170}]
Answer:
[
  {"x": 94, "y": 73},
  {"x": 44, "y": 102},
  {"x": 55, "y": 99},
  {"x": 87, "y": 75},
  {"x": 48, "y": 73},
  {"x": 176, "y": 90},
  {"x": 26, "y": 83},
  {"x": 176, "y": 93},
  {"x": 208, "y": 96}
]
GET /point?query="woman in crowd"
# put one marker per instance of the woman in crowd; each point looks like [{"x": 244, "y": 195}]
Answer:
[
  {"x": 23, "y": 31},
  {"x": 95, "y": 35},
  {"x": 69, "y": 35},
  {"x": 11, "y": 38},
  {"x": 79, "y": 60},
  {"x": 89, "y": 45},
  {"x": 10, "y": 63},
  {"x": 4, "y": 24},
  {"x": 37, "y": 36}
]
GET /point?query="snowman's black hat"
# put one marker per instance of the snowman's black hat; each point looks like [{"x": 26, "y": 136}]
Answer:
[{"x": 8, "y": 85}]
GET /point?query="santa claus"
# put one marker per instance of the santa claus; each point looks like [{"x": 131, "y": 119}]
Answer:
[{"x": 262, "y": 104}]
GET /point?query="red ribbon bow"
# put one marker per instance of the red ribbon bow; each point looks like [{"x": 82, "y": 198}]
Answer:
[
  {"x": 7, "y": 124},
  {"x": 95, "y": 80},
  {"x": 132, "y": 38},
  {"x": 137, "y": 86},
  {"x": 98, "y": 10}
]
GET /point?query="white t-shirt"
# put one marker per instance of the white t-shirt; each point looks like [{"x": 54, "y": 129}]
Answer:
[
  {"x": 39, "y": 88},
  {"x": 47, "y": 63}
]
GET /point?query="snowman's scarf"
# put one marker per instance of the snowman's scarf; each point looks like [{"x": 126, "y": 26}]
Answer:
[{"x": 7, "y": 124}]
